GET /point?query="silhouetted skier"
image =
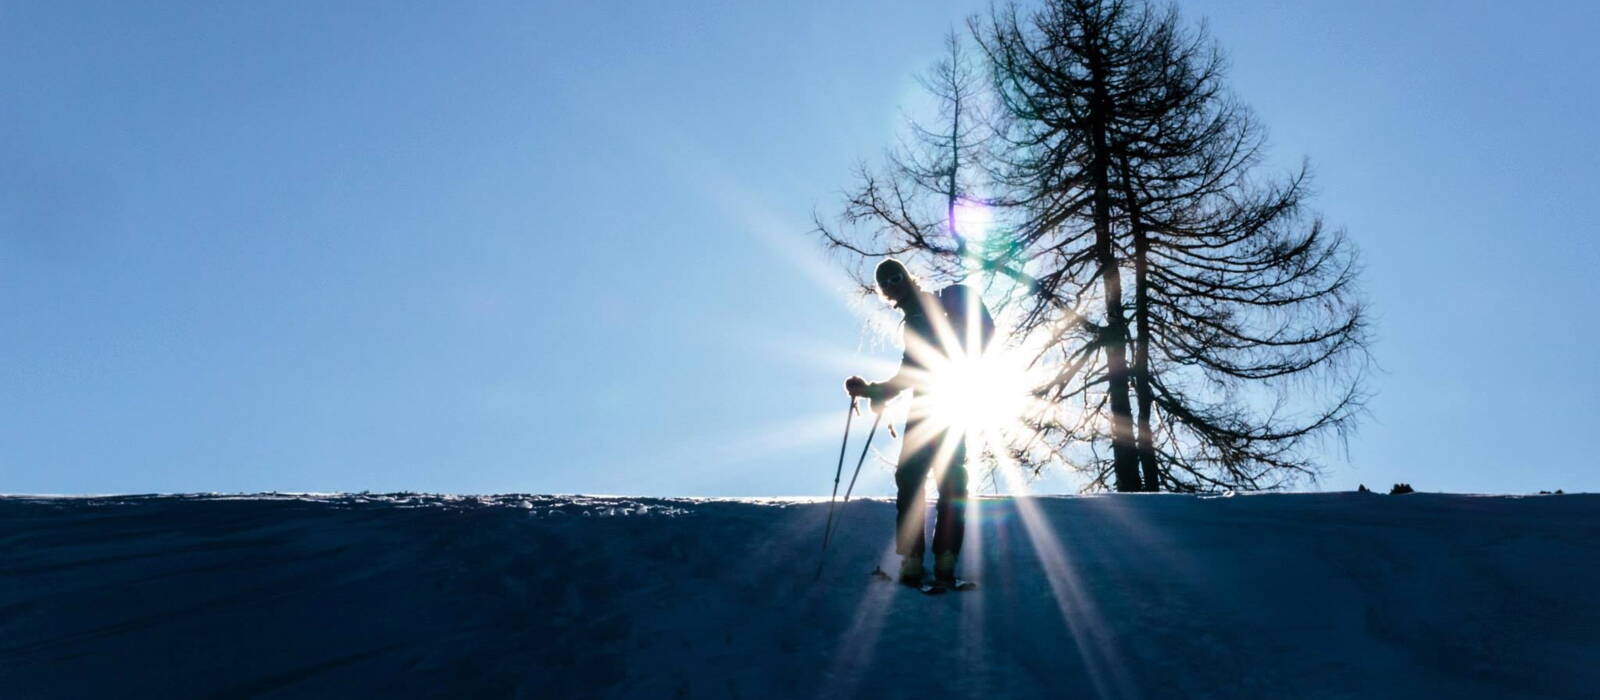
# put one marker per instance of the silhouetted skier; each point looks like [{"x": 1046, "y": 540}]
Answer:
[{"x": 936, "y": 329}]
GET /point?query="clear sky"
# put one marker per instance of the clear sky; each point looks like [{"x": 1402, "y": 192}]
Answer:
[{"x": 560, "y": 247}]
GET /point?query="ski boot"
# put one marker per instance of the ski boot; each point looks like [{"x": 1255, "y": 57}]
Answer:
[
  {"x": 944, "y": 576},
  {"x": 911, "y": 569},
  {"x": 944, "y": 569}
]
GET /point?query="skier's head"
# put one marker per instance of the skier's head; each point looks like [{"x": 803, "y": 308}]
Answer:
[{"x": 895, "y": 283}]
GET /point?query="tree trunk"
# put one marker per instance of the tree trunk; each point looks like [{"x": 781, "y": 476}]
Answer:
[
  {"x": 1145, "y": 442},
  {"x": 1141, "y": 360},
  {"x": 960, "y": 237},
  {"x": 1124, "y": 456}
]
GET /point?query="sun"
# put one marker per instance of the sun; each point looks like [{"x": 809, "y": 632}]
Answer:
[{"x": 981, "y": 397}]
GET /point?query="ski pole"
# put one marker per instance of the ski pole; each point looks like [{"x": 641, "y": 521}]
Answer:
[
  {"x": 849, "y": 414},
  {"x": 870, "y": 433},
  {"x": 873, "y": 431}
]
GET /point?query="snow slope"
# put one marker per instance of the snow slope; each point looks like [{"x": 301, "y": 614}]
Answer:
[{"x": 1294, "y": 595}]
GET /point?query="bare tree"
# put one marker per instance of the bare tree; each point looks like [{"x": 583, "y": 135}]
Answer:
[
  {"x": 1163, "y": 271},
  {"x": 1064, "y": 77},
  {"x": 909, "y": 208}
]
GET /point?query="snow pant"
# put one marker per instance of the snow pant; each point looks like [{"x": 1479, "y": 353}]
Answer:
[{"x": 949, "y": 524}]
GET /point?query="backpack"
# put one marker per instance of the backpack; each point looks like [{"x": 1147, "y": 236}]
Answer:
[{"x": 959, "y": 302}]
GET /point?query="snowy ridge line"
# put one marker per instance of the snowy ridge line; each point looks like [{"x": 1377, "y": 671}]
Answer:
[
  {"x": 537, "y": 505},
  {"x": 773, "y": 500},
  {"x": 609, "y": 506}
]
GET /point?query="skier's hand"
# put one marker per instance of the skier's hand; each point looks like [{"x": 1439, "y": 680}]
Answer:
[{"x": 855, "y": 386}]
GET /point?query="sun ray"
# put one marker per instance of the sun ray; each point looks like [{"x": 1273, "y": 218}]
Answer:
[
  {"x": 1077, "y": 609},
  {"x": 858, "y": 643},
  {"x": 708, "y": 453},
  {"x": 817, "y": 355},
  {"x": 975, "y": 643}
]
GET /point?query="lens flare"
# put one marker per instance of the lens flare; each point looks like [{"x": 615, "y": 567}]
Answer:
[{"x": 973, "y": 219}]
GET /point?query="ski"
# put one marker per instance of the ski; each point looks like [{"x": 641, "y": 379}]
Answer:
[
  {"x": 941, "y": 587},
  {"x": 927, "y": 586}
]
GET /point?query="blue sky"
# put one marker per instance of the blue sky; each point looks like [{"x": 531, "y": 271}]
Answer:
[{"x": 478, "y": 247}]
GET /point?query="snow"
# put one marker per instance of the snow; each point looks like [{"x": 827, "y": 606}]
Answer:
[{"x": 413, "y": 595}]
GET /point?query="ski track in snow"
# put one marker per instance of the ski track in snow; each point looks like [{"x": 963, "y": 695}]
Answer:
[{"x": 1122, "y": 596}]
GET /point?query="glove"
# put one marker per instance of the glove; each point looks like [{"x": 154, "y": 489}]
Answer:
[{"x": 855, "y": 386}]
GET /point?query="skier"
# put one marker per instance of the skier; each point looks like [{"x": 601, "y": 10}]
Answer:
[{"x": 936, "y": 327}]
